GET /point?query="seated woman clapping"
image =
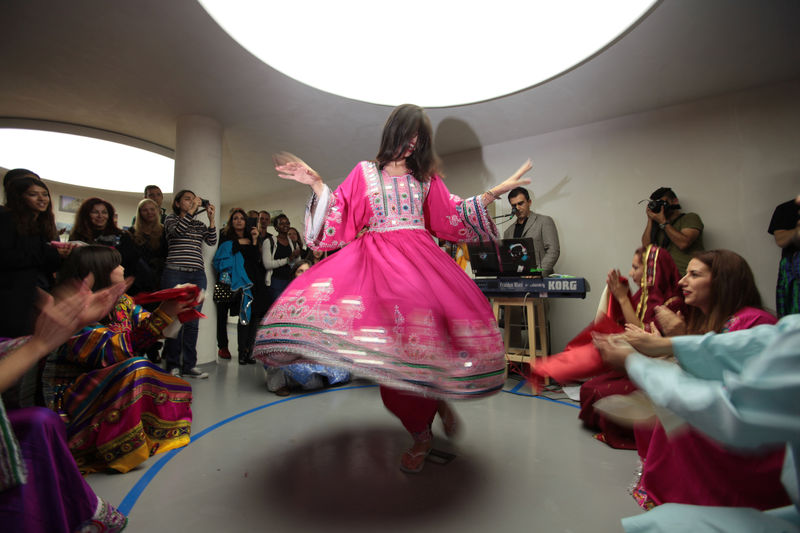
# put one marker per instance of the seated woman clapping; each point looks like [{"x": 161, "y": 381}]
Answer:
[
  {"x": 41, "y": 488},
  {"x": 119, "y": 407},
  {"x": 687, "y": 467},
  {"x": 655, "y": 273}
]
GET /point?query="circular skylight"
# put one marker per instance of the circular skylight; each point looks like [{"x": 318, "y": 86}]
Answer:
[
  {"x": 433, "y": 53},
  {"x": 85, "y": 161}
]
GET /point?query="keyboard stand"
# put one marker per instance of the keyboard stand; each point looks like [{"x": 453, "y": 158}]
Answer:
[{"x": 536, "y": 316}]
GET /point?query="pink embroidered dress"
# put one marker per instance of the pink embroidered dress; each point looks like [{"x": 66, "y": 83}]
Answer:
[{"x": 390, "y": 306}]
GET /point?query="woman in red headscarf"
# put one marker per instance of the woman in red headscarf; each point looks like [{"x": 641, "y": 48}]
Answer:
[{"x": 654, "y": 271}]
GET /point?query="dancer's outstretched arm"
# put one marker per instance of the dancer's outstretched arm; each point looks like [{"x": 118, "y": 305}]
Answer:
[
  {"x": 515, "y": 180},
  {"x": 291, "y": 167}
]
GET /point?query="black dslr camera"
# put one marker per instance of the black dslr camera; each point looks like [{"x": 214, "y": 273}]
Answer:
[
  {"x": 204, "y": 203},
  {"x": 657, "y": 205}
]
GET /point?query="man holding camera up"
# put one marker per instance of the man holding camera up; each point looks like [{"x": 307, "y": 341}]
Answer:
[{"x": 681, "y": 234}]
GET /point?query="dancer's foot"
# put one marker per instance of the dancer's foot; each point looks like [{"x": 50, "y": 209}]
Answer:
[
  {"x": 413, "y": 459},
  {"x": 223, "y": 353},
  {"x": 449, "y": 419}
]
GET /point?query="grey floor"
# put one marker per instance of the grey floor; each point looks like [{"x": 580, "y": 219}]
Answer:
[{"x": 328, "y": 462}]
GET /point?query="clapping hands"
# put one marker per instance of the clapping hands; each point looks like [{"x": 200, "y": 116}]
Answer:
[
  {"x": 616, "y": 285},
  {"x": 73, "y": 307}
]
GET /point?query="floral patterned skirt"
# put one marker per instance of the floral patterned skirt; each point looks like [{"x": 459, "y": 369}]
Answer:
[{"x": 393, "y": 307}]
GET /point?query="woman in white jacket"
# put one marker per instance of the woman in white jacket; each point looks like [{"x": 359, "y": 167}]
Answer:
[{"x": 279, "y": 256}]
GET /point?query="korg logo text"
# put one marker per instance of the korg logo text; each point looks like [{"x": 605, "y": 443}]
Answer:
[{"x": 562, "y": 285}]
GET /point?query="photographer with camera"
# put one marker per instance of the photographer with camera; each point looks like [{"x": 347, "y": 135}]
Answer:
[
  {"x": 185, "y": 238},
  {"x": 681, "y": 234}
]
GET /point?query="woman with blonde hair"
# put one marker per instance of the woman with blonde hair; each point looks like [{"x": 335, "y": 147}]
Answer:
[
  {"x": 144, "y": 251},
  {"x": 144, "y": 248}
]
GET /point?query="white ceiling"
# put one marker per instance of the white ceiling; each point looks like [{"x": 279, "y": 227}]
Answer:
[{"x": 132, "y": 67}]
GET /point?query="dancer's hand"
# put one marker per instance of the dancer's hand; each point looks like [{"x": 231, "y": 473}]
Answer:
[
  {"x": 515, "y": 180},
  {"x": 291, "y": 167}
]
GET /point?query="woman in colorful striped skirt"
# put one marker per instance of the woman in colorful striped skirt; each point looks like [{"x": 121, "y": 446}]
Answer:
[{"x": 120, "y": 408}]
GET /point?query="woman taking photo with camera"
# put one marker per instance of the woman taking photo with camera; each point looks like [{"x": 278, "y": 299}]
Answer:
[{"x": 185, "y": 238}]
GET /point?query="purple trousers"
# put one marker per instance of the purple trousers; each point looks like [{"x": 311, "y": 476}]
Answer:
[{"x": 55, "y": 498}]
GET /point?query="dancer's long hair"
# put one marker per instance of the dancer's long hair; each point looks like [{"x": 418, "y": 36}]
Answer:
[{"x": 406, "y": 121}]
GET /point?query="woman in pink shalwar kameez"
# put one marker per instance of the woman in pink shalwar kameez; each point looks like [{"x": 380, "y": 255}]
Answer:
[{"x": 391, "y": 305}]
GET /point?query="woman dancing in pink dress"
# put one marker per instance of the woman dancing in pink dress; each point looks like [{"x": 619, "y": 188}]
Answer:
[{"x": 392, "y": 306}]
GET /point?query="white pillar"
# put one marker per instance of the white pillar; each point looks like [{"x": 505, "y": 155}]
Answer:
[{"x": 198, "y": 167}]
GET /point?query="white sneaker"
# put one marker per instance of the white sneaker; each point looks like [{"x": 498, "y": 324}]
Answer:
[
  {"x": 195, "y": 373},
  {"x": 176, "y": 372}
]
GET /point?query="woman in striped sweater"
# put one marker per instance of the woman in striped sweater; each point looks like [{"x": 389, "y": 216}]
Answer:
[{"x": 185, "y": 238}]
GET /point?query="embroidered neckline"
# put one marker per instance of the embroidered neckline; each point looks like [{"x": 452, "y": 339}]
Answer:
[{"x": 398, "y": 176}]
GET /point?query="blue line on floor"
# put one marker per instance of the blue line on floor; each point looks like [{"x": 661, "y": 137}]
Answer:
[
  {"x": 518, "y": 386},
  {"x": 130, "y": 499},
  {"x": 541, "y": 398},
  {"x": 126, "y": 506}
]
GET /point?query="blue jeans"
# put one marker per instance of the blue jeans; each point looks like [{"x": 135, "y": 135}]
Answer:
[{"x": 186, "y": 341}]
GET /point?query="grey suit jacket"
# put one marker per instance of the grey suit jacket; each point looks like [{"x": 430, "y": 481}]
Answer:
[{"x": 542, "y": 230}]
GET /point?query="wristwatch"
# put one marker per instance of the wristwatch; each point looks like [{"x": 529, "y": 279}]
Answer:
[{"x": 664, "y": 225}]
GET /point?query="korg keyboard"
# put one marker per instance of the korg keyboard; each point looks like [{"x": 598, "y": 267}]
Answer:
[{"x": 536, "y": 287}]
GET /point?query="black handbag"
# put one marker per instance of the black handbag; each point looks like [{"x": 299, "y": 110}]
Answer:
[{"x": 222, "y": 293}]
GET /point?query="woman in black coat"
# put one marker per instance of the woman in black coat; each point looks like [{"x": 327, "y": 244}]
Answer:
[{"x": 29, "y": 257}]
